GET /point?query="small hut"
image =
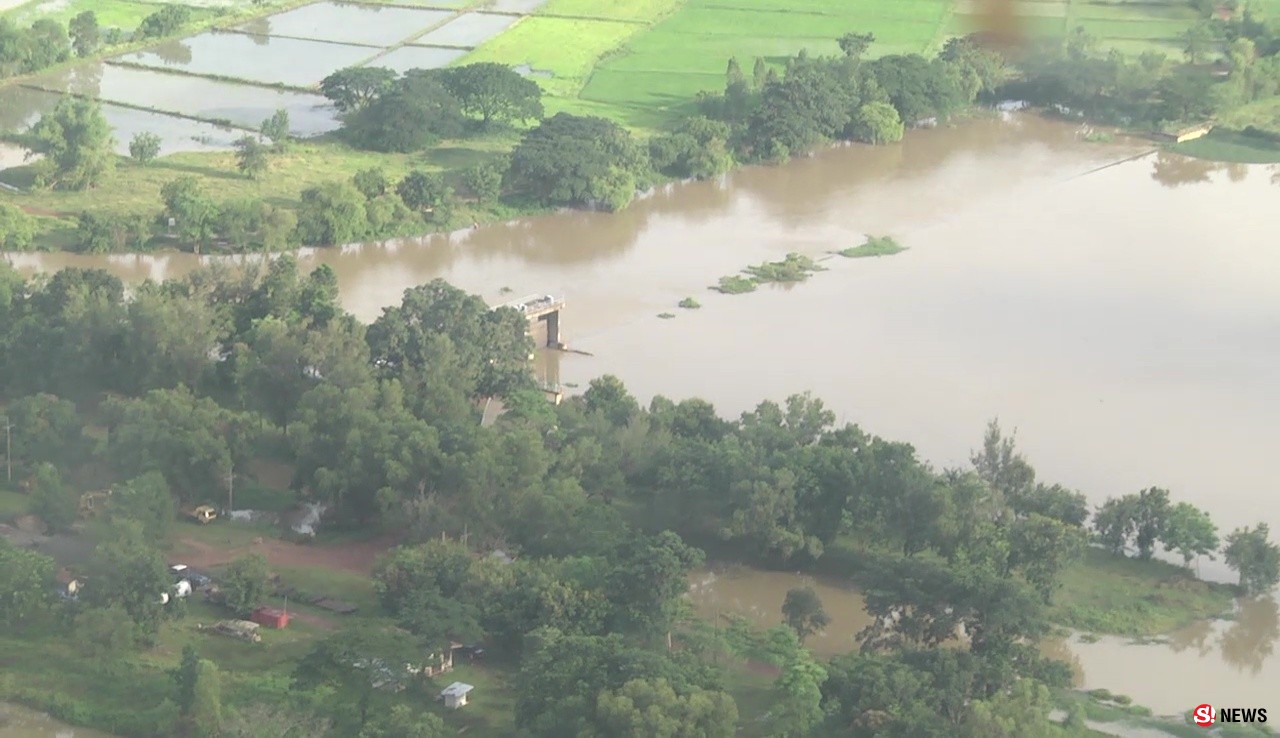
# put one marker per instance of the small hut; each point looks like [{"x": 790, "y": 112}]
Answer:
[{"x": 455, "y": 695}]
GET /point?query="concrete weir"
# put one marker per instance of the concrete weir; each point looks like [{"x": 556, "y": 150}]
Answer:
[{"x": 543, "y": 314}]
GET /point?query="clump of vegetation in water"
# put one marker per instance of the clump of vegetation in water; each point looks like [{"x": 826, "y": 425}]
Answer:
[
  {"x": 794, "y": 268},
  {"x": 666, "y": 316},
  {"x": 873, "y": 246},
  {"x": 689, "y": 303},
  {"x": 736, "y": 285}
]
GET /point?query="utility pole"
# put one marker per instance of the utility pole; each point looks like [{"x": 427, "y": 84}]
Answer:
[
  {"x": 8, "y": 451},
  {"x": 231, "y": 489}
]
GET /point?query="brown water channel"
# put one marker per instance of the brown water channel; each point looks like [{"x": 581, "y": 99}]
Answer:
[{"x": 1125, "y": 319}]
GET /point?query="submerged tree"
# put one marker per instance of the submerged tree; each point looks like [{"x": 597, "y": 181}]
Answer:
[
  {"x": 802, "y": 610},
  {"x": 1251, "y": 553}
]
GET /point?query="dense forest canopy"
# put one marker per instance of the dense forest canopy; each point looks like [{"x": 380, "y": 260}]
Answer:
[{"x": 163, "y": 390}]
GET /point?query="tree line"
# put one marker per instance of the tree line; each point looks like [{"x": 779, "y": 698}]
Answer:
[
  {"x": 47, "y": 41},
  {"x": 601, "y": 501},
  {"x": 585, "y": 161}
]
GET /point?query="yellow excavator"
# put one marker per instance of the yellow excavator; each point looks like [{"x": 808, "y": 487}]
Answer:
[{"x": 204, "y": 514}]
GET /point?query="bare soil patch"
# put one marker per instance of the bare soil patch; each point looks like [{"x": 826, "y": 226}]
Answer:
[{"x": 356, "y": 557}]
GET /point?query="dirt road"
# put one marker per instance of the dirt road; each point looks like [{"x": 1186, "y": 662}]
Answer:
[{"x": 357, "y": 557}]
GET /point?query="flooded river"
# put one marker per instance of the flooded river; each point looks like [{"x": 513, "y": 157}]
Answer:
[
  {"x": 19, "y": 722},
  {"x": 1125, "y": 319},
  {"x": 1228, "y": 661}
]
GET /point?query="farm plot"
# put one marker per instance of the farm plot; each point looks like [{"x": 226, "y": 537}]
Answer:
[
  {"x": 282, "y": 61},
  {"x": 352, "y": 24},
  {"x": 24, "y": 106},
  {"x": 448, "y": 4},
  {"x": 568, "y": 48},
  {"x": 207, "y": 99},
  {"x": 1135, "y": 28},
  {"x": 468, "y": 30},
  {"x": 417, "y": 57},
  {"x": 664, "y": 67},
  {"x": 122, "y": 14},
  {"x": 641, "y": 11},
  {"x": 522, "y": 7}
]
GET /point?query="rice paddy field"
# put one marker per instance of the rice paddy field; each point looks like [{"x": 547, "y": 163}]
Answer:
[
  {"x": 641, "y": 62},
  {"x": 122, "y": 14}
]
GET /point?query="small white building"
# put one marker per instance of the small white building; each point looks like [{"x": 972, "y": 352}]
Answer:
[{"x": 455, "y": 695}]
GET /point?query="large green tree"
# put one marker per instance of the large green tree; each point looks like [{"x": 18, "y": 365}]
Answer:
[
  {"x": 244, "y": 584},
  {"x": 494, "y": 92},
  {"x": 491, "y": 346},
  {"x": 353, "y": 663},
  {"x": 52, "y": 500},
  {"x": 1252, "y": 554},
  {"x": 1190, "y": 532},
  {"x": 43, "y": 428},
  {"x": 416, "y": 112},
  {"x": 129, "y": 572},
  {"x": 86, "y": 34},
  {"x": 802, "y": 610},
  {"x": 17, "y": 229},
  {"x": 191, "y": 440},
  {"x": 148, "y": 501},
  {"x": 652, "y": 709},
  {"x": 25, "y": 578},
  {"x": 579, "y": 161},
  {"x": 332, "y": 214},
  {"x": 354, "y": 88},
  {"x": 76, "y": 141}
]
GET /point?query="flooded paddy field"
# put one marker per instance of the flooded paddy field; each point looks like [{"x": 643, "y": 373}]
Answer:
[
  {"x": 469, "y": 30},
  {"x": 418, "y": 57},
  {"x": 207, "y": 99},
  {"x": 269, "y": 60},
  {"x": 23, "y": 107},
  {"x": 351, "y": 24}
]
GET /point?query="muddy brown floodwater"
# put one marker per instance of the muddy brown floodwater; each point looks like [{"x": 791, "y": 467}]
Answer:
[{"x": 1124, "y": 319}]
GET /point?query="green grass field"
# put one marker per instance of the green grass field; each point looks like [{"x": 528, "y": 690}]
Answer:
[
  {"x": 123, "y": 14},
  {"x": 639, "y": 11},
  {"x": 1230, "y": 146},
  {"x": 1124, "y": 596},
  {"x": 567, "y": 48},
  {"x": 658, "y": 72},
  {"x": 646, "y": 77},
  {"x": 135, "y": 188}
]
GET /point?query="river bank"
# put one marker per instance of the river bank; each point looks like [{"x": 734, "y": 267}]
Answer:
[{"x": 1100, "y": 338}]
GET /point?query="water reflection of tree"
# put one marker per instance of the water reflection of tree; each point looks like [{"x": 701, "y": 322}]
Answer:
[
  {"x": 1172, "y": 170},
  {"x": 174, "y": 53},
  {"x": 1251, "y": 640},
  {"x": 1193, "y": 636},
  {"x": 259, "y": 29}
]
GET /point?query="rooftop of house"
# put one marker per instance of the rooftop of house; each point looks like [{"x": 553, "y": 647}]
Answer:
[{"x": 457, "y": 689}]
